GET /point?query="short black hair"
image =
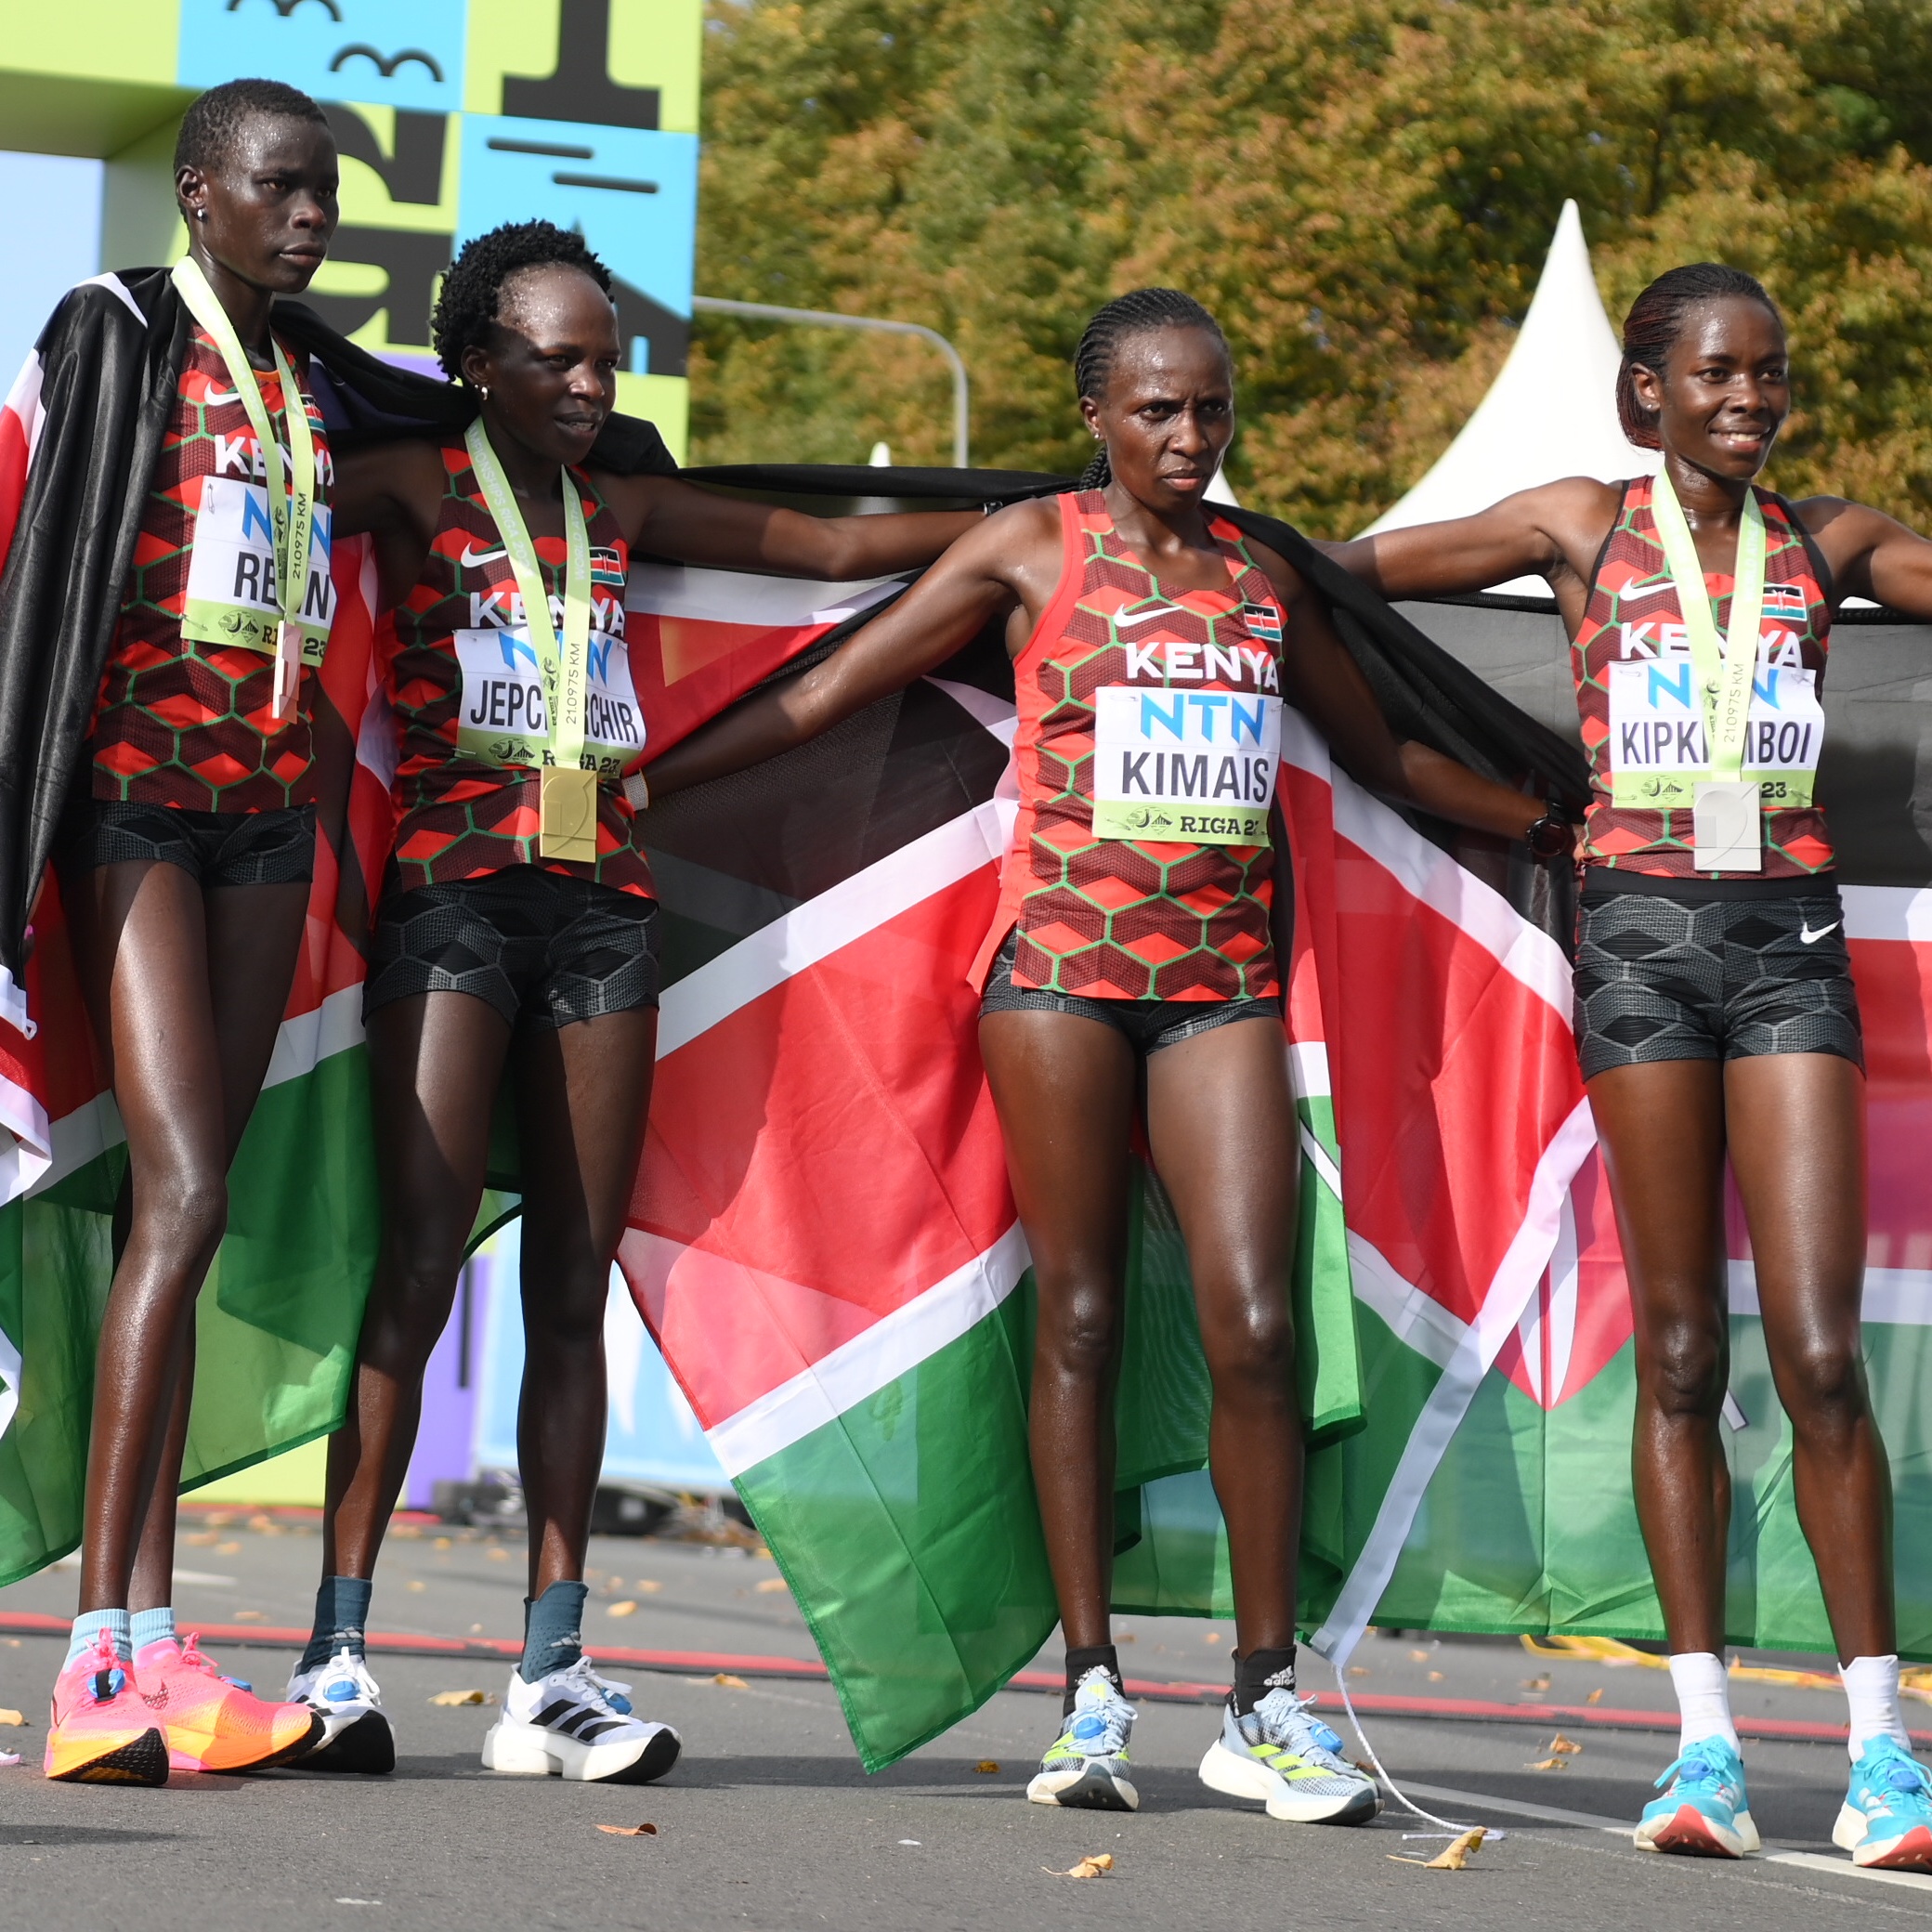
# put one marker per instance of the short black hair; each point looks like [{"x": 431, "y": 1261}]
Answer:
[
  {"x": 1656, "y": 321},
  {"x": 466, "y": 309},
  {"x": 1136, "y": 313},
  {"x": 213, "y": 123}
]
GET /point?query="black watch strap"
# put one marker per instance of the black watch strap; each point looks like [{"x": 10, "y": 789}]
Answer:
[{"x": 1551, "y": 836}]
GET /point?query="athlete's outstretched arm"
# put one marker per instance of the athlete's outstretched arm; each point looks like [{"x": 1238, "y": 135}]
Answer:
[
  {"x": 974, "y": 581},
  {"x": 1547, "y": 531},
  {"x": 1871, "y": 554},
  {"x": 664, "y": 517},
  {"x": 1320, "y": 679}
]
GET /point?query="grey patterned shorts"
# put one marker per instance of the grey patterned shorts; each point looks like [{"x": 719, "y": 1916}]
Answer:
[
  {"x": 1713, "y": 978},
  {"x": 537, "y": 944}
]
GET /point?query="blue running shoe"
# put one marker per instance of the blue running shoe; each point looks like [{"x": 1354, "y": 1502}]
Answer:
[
  {"x": 1087, "y": 1767},
  {"x": 1704, "y": 1812},
  {"x": 1886, "y": 1819}
]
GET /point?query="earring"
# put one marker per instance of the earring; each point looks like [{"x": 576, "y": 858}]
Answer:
[
  {"x": 483, "y": 391},
  {"x": 201, "y": 215}
]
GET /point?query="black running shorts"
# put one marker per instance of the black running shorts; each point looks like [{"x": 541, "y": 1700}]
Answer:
[
  {"x": 1149, "y": 1024},
  {"x": 1712, "y": 971},
  {"x": 539, "y": 945},
  {"x": 218, "y": 848}
]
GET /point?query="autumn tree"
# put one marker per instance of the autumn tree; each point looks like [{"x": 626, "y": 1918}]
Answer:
[{"x": 1362, "y": 191}]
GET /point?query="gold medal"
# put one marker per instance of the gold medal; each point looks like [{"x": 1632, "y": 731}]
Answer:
[{"x": 567, "y": 816}]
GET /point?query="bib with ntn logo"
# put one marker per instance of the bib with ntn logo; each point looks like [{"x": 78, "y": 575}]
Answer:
[
  {"x": 1148, "y": 736},
  {"x": 1644, "y": 712},
  {"x": 186, "y": 715},
  {"x": 467, "y": 685}
]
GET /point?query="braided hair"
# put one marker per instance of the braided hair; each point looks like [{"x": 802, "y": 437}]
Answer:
[
  {"x": 214, "y": 120},
  {"x": 1139, "y": 312},
  {"x": 1656, "y": 321},
  {"x": 473, "y": 291}
]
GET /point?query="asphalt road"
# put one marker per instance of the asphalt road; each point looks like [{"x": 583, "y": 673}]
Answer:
[{"x": 768, "y": 1821}]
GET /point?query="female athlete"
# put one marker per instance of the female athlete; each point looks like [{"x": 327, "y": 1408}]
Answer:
[
  {"x": 1153, "y": 650},
  {"x": 1715, "y": 1009}
]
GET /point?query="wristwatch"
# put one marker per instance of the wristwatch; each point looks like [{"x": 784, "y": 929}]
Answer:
[{"x": 1551, "y": 836}]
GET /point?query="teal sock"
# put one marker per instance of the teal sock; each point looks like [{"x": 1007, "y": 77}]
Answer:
[
  {"x": 553, "y": 1631},
  {"x": 88, "y": 1625},
  {"x": 341, "y": 1611},
  {"x": 148, "y": 1626}
]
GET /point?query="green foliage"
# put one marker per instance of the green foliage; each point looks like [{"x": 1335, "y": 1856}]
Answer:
[{"x": 1362, "y": 190}]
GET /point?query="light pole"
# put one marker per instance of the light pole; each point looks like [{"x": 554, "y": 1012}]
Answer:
[{"x": 831, "y": 319}]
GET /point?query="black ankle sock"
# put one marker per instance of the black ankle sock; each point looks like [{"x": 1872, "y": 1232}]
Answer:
[
  {"x": 1101, "y": 1656},
  {"x": 1260, "y": 1672}
]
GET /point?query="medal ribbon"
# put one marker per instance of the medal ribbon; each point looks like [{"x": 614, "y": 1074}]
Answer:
[
  {"x": 564, "y": 667},
  {"x": 290, "y": 498},
  {"x": 1724, "y": 672}
]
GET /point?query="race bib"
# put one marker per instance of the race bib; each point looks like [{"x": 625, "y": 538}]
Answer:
[
  {"x": 502, "y": 715},
  {"x": 1658, "y": 753},
  {"x": 233, "y": 596},
  {"x": 1186, "y": 767}
]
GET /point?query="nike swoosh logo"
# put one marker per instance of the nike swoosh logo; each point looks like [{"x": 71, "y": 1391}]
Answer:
[
  {"x": 1808, "y": 937},
  {"x": 471, "y": 557},
  {"x": 224, "y": 395},
  {"x": 1144, "y": 617}
]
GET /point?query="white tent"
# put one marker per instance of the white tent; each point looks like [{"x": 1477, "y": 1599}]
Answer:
[{"x": 1550, "y": 413}]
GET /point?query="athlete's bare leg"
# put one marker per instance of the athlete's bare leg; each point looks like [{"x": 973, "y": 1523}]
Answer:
[
  {"x": 144, "y": 940},
  {"x": 1064, "y": 1089},
  {"x": 1227, "y": 1144},
  {"x": 582, "y": 1095},
  {"x": 254, "y": 934},
  {"x": 1662, "y": 1127},
  {"x": 434, "y": 1062}
]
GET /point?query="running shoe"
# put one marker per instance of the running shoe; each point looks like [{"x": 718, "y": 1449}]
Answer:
[
  {"x": 1887, "y": 1818},
  {"x": 355, "y": 1734},
  {"x": 100, "y": 1731},
  {"x": 1291, "y": 1761},
  {"x": 1704, "y": 1812},
  {"x": 564, "y": 1726},
  {"x": 215, "y": 1723},
  {"x": 1086, "y": 1767}
]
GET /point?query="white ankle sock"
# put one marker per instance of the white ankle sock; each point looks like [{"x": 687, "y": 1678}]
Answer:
[
  {"x": 1872, "y": 1690},
  {"x": 1703, "y": 1699}
]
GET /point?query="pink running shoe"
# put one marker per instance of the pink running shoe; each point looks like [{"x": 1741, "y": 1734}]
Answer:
[
  {"x": 101, "y": 1732},
  {"x": 214, "y": 1724}
]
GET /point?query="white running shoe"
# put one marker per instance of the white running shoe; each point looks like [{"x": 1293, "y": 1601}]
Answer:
[
  {"x": 566, "y": 1726},
  {"x": 1291, "y": 1761},
  {"x": 356, "y": 1733},
  {"x": 1087, "y": 1768}
]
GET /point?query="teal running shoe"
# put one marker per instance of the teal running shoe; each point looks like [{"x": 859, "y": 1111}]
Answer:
[
  {"x": 1291, "y": 1761},
  {"x": 1887, "y": 1818},
  {"x": 1704, "y": 1812},
  {"x": 1086, "y": 1767}
]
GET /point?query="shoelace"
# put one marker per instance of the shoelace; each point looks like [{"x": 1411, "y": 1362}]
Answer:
[
  {"x": 110, "y": 1677},
  {"x": 1285, "y": 1724},
  {"x": 586, "y": 1685},
  {"x": 1101, "y": 1728},
  {"x": 193, "y": 1658},
  {"x": 1694, "y": 1771}
]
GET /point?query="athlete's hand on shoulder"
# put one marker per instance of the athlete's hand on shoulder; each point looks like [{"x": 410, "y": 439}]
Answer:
[
  {"x": 393, "y": 493},
  {"x": 1871, "y": 554},
  {"x": 669, "y": 518}
]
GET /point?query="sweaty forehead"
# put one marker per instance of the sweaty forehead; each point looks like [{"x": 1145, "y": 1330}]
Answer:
[
  {"x": 278, "y": 141},
  {"x": 555, "y": 303},
  {"x": 1733, "y": 326},
  {"x": 1174, "y": 360}
]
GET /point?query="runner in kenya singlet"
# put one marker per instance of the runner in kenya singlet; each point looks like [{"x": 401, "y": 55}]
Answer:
[
  {"x": 1643, "y": 717},
  {"x": 184, "y": 720},
  {"x": 1144, "y": 718},
  {"x": 464, "y": 681}
]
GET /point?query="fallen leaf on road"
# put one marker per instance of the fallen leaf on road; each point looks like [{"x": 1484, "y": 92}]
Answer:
[
  {"x": 1454, "y": 1858},
  {"x": 202, "y": 1538},
  {"x": 255, "y": 1616},
  {"x": 772, "y": 1585},
  {"x": 1548, "y": 1764},
  {"x": 985, "y": 1767},
  {"x": 12, "y": 1717},
  {"x": 1418, "y": 1656},
  {"x": 1564, "y": 1748},
  {"x": 628, "y": 1607},
  {"x": 1358, "y": 1670},
  {"x": 649, "y": 1585},
  {"x": 630, "y": 1831},
  {"x": 1210, "y": 1636},
  {"x": 442, "y": 1543},
  {"x": 1596, "y": 1696},
  {"x": 456, "y": 1697},
  {"x": 1435, "y": 1677},
  {"x": 730, "y": 1682},
  {"x": 416, "y": 1583},
  {"x": 499, "y": 1554},
  {"x": 1536, "y": 1683},
  {"x": 476, "y": 1629},
  {"x": 228, "y": 1549},
  {"x": 1094, "y": 1867}
]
